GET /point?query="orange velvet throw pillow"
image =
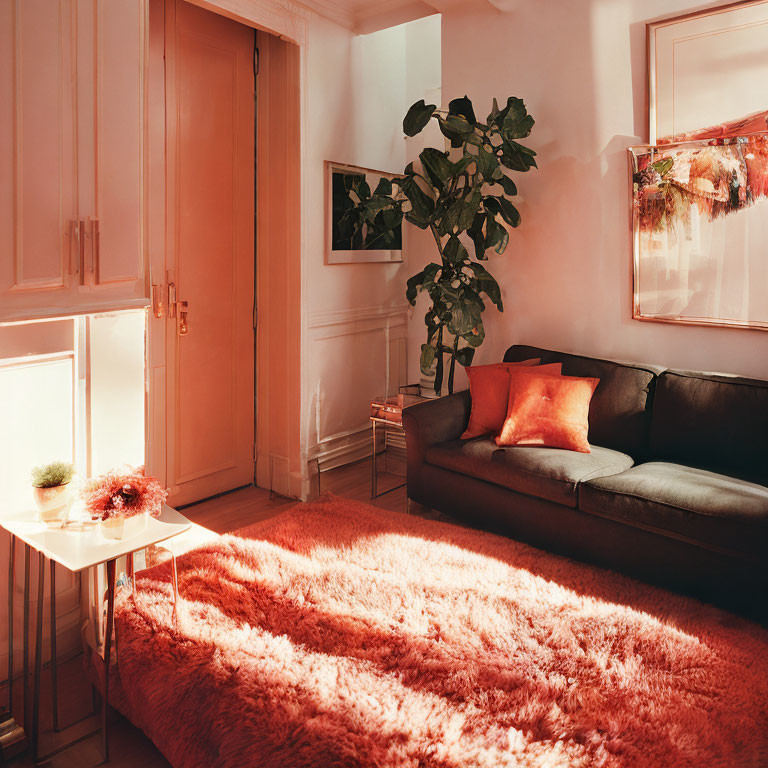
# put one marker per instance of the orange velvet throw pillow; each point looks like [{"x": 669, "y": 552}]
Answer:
[
  {"x": 489, "y": 389},
  {"x": 549, "y": 411}
]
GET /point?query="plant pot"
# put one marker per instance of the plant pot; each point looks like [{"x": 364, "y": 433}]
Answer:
[
  {"x": 52, "y": 502},
  {"x": 123, "y": 527}
]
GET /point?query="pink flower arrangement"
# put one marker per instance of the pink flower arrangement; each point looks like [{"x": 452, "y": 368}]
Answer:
[{"x": 121, "y": 494}]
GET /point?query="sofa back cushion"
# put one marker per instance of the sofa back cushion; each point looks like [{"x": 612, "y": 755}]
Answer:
[
  {"x": 620, "y": 410},
  {"x": 713, "y": 421}
]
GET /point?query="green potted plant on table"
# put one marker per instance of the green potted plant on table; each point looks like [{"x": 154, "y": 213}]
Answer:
[
  {"x": 462, "y": 197},
  {"x": 50, "y": 484}
]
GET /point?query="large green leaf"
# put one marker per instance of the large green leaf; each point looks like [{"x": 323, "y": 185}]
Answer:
[
  {"x": 462, "y": 106},
  {"x": 516, "y": 157},
  {"x": 423, "y": 279},
  {"x": 454, "y": 251},
  {"x": 437, "y": 166},
  {"x": 509, "y": 186},
  {"x": 417, "y": 117},
  {"x": 478, "y": 238},
  {"x": 462, "y": 164},
  {"x": 496, "y": 236},
  {"x": 416, "y": 221},
  {"x": 463, "y": 320},
  {"x": 487, "y": 284},
  {"x": 464, "y": 356},
  {"x": 476, "y": 336},
  {"x": 422, "y": 206},
  {"x": 455, "y": 128},
  {"x": 500, "y": 205},
  {"x": 494, "y": 113},
  {"x": 384, "y": 187},
  {"x": 517, "y": 123},
  {"x": 450, "y": 219},
  {"x": 469, "y": 210},
  {"x": 487, "y": 163}
]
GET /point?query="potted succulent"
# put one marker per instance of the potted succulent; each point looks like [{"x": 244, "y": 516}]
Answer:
[
  {"x": 123, "y": 502},
  {"x": 462, "y": 196},
  {"x": 50, "y": 484}
]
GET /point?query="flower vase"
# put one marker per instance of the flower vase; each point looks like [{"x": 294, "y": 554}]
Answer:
[{"x": 119, "y": 527}]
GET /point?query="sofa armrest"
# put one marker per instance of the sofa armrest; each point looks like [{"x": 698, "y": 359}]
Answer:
[{"x": 428, "y": 423}]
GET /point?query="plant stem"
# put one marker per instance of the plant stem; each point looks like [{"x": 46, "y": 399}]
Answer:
[
  {"x": 453, "y": 364},
  {"x": 433, "y": 229},
  {"x": 439, "y": 369}
]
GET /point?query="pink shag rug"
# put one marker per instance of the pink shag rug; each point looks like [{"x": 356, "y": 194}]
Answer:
[{"x": 337, "y": 634}]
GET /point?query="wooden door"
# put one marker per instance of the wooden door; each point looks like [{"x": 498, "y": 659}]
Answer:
[{"x": 209, "y": 86}]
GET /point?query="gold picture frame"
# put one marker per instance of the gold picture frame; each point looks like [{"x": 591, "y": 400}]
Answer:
[{"x": 701, "y": 67}]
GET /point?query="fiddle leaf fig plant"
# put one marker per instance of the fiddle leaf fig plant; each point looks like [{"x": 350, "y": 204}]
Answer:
[{"x": 462, "y": 197}]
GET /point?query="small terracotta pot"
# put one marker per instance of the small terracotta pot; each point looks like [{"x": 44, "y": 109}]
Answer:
[{"x": 52, "y": 502}]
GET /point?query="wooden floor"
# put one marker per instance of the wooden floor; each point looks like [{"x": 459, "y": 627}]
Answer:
[{"x": 129, "y": 747}]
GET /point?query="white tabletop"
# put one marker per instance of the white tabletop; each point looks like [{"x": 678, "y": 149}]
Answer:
[{"x": 78, "y": 544}]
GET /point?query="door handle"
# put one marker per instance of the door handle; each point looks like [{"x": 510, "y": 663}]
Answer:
[{"x": 183, "y": 312}]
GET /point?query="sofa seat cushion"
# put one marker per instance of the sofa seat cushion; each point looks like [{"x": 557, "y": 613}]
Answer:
[
  {"x": 547, "y": 473},
  {"x": 713, "y": 510}
]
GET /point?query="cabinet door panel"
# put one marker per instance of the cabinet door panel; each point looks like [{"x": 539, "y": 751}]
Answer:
[
  {"x": 37, "y": 138},
  {"x": 119, "y": 142}
]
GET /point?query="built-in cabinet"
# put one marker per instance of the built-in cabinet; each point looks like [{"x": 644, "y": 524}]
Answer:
[{"x": 72, "y": 135}]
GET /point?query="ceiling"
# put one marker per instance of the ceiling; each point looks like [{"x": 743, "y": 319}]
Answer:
[{"x": 364, "y": 16}]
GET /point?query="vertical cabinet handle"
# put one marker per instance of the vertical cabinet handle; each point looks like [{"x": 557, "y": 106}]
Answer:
[
  {"x": 81, "y": 249},
  {"x": 94, "y": 249},
  {"x": 84, "y": 249},
  {"x": 171, "y": 300},
  {"x": 74, "y": 247},
  {"x": 158, "y": 307}
]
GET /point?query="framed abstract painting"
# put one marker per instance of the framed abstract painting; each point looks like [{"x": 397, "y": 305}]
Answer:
[
  {"x": 699, "y": 189},
  {"x": 700, "y": 231},
  {"x": 350, "y": 237}
]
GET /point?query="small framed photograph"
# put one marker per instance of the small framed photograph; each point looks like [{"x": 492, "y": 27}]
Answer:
[{"x": 349, "y": 237}]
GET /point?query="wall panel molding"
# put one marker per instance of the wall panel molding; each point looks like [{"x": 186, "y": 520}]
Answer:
[{"x": 339, "y": 428}]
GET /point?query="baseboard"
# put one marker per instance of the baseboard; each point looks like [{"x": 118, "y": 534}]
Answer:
[{"x": 339, "y": 450}]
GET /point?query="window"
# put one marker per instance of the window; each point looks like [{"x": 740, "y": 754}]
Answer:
[{"x": 71, "y": 389}]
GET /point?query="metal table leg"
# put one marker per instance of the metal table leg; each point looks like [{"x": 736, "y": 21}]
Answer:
[
  {"x": 54, "y": 663},
  {"x": 175, "y": 581},
  {"x": 107, "y": 657},
  {"x": 374, "y": 478},
  {"x": 38, "y": 657},
  {"x": 11, "y": 583},
  {"x": 130, "y": 574},
  {"x": 25, "y": 669}
]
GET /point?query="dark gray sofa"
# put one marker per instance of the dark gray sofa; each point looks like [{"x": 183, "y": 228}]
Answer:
[{"x": 675, "y": 490}]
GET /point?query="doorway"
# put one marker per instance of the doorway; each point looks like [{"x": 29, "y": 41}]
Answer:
[
  {"x": 200, "y": 235},
  {"x": 209, "y": 87}
]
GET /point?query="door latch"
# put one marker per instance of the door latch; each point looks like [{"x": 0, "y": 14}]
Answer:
[
  {"x": 158, "y": 306},
  {"x": 183, "y": 311}
]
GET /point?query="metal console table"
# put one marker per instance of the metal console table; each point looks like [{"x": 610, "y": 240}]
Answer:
[{"x": 77, "y": 547}]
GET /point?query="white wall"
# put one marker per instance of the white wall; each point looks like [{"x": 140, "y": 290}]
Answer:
[
  {"x": 566, "y": 276},
  {"x": 356, "y": 314}
]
